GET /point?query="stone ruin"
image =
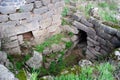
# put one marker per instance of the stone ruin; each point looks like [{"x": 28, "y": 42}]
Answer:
[
  {"x": 28, "y": 21},
  {"x": 36, "y": 20}
]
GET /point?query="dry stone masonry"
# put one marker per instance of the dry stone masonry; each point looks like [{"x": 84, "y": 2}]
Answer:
[
  {"x": 101, "y": 39},
  {"x": 28, "y": 20}
]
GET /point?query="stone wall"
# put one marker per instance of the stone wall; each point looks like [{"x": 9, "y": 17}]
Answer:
[
  {"x": 34, "y": 21},
  {"x": 101, "y": 39}
]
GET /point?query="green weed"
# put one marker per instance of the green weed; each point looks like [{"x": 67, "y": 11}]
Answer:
[
  {"x": 54, "y": 39},
  {"x": 65, "y": 11},
  {"x": 69, "y": 44}
]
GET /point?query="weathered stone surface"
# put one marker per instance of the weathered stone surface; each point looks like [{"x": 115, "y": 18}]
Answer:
[
  {"x": 3, "y": 18},
  {"x": 5, "y": 74},
  {"x": 7, "y": 9},
  {"x": 91, "y": 33},
  {"x": 118, "y": 34},
  {"x": 80, "y": 26},
  {"x": 18, "y": 16},
  {"x": 46, "y": 2},
  {"x": 74, "y": 38},
  {"x": 77, "y": 16},
  {"x": 104, "y": 35},
  {"x": 35, "y": 61},
  {"x": 26, "y": 8},
  {"x": 84, "y": 63},
  {"x": 59, "y": 4},
  {"x": 56, "y": 47},
  {"x": 47, "y": 51},
  {"x": 72, "y": 29},
  {"x": 3, "y": 57},
  {"x": 109, "y": 30},
  {"x": 30, "y": 1},
  {"x": 85, "y": 22},
  {"x": 93, "y": 41},
  {"x": 45, "y": 23},
  {"x": 40, "y": 10},
  {"x": 12, "y": 30},
  {"x": 11, "y": 44},
  {"x": 38, "y": 4},
  {"x": 101, "y": 40},
  {"x": 116, "y": 42},
  {"x": 54, "y": 1}
]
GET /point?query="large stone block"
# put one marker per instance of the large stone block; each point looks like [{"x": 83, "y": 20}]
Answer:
[
  {"x": 80, "y": 26},
  {"x": 26, "y": 8},
  {"x": 19, "y": 16},
  {"x": 38, "y": 4},
  {"x": 85, "y": 22},
  {"x": 11, "y": 30},
  {"x": 45, "y": 23},
  {"x": 3, "y": 18},
  {"x": 7, "y": 9},
  {"x": 40, "y": 10},
  {"x": 11, "y": 44},
  {"x": 109, "y": 29}
]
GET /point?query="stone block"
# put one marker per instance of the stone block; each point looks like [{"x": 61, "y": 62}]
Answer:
[
  {"x": 85, "y": 22},
  {"x": 20, "y": 39},
  {"x": 77, "y": 16},
  {"x": 80, "y": 26},
  {"x": 38, "y": 4},
  {"x": 89, "y": 55},
  {"x": 19, "y": 16},
  {"x": 118, "y": 34},
  {"x": 30, "y": 1},
  {"x": 51, "y": 6},
  {"x": 12, "y": 38},
  {"x": 56, "y": 19},
  {"x": 101, "y": 40},
  {"x": 59, "y": 4},
  {"x": 7, "y": 9},
  {"x": 103, "y": 35},
  {"x": 91, "y": 33},
  {"x": 34, "y": 25},
  {"x": 54, "y": 1},
  {"x": 11, "y": 30},
  {"x": 93, "y": 41},
  {"x": 40, "y": 10},
  {"x": 45, "y": 23},
  {"x": 109, "y": 30},
  {"x": 46, "y": 2},
  {"x": 47, "y": 15},
  {"x": 26, "y": 8},
  {"x": 15, "y": 50},
  {"x": 11, "y": 44},
  {"x": 3, "y": 18},
  {"x": 116, "y": 42}
]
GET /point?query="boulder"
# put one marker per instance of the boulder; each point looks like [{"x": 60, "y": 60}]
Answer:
[
  {"x": 84, "y": 63},
  {"x": 3, "y": 59},
  {"x": 35, "y": 61},
  {"x": 5, "y": 74}
]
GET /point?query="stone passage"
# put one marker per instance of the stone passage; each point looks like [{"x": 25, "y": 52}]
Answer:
[
  {"x": 101, "y": 39},
  {"x": 28, "y": 20}
]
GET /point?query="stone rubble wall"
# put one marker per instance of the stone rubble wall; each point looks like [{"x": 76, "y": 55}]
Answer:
[
  {"x": 39, "y": 17},
  {"x": 101, "y": 39}
]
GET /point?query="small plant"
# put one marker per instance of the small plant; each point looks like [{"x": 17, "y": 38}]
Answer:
[
  {"x": 70, "y": 34},
  {"x": 34, "y": 76},
  {"x": 65, "y": 11},
  {"x": 69, "y": 44},
  {"x": 64, "y": 22}
]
